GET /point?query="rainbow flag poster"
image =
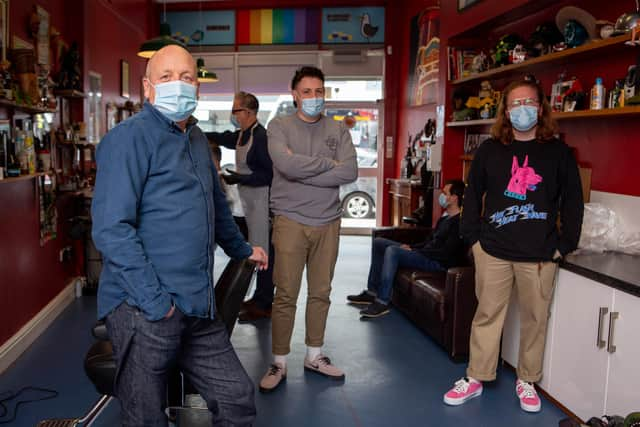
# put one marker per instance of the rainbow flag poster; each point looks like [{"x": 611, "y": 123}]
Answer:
[{"x": 278, "y": 26}]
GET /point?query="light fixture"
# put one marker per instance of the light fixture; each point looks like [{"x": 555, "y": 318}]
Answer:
[
  {"x": 149, "y": 47},
  {"x": 205, "y": 76}
]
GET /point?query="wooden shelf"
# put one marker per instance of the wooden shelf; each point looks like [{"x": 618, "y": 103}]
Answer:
[
  {"x": 466, "y": 123},
  {"x": 541, "y": 61},
  {"x": 26, "y": 108},
  {"x": 69, "y": 93},
  {"x": 21, "y": 178},
  {"x": 607, "y": 112}
]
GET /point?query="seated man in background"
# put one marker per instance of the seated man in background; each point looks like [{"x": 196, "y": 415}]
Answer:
[{"x": 442, "y": 250}]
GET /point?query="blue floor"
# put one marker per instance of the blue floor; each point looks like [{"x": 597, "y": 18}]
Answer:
[{"x": 395, "y": 374}]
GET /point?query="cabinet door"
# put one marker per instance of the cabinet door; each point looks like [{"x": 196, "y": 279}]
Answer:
[
  {"x": 623, "y": 394},
  {"x": 578, "y": 367}
]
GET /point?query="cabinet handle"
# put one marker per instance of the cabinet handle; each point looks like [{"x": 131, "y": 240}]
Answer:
[
  {"x": 600, "y": 343},
  {"x": 612, "y": 320}
]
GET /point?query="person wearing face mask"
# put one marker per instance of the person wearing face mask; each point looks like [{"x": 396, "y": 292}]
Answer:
[
  {"x": 443, "y": 249},
  {"x": 312, "y": 156},
  {"x": 158, "y": 213},
  {"x": 253, "y": 174},
  {"x": 522, "y": 213}
]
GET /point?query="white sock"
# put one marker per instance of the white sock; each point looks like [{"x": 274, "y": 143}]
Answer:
[
  {"x": 313, "y": 352},
  {"x": 280, "y": 360}
]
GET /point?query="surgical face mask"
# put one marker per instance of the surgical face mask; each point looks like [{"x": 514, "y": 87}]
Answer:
[
  {"x": 176, "y": 99},
  {"x": 524, "y": 117},
  {"x": 442, "y": 200},
  {"x": 234, "y": 121},
  {"x": 312, "y": 107}
]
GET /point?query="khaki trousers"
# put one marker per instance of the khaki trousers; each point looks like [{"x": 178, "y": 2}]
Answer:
[
  {"x": 495, "y": 278},
  {"x": 296, "y": 246}
]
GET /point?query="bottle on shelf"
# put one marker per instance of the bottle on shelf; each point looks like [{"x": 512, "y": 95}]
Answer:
[{"x": 597, "y": 95}]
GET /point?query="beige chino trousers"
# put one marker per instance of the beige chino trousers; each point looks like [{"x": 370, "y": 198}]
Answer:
[
  {"x": 495, "y": 279},
  {"x": 296, "y": 246}
]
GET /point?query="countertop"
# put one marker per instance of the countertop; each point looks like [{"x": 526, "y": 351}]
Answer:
[{"x": 618, "y": 270}]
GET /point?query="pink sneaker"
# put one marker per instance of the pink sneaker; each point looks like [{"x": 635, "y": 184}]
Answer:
[
  {"x": 529, "y": 400},
  {"x": 463, "y": 390}
]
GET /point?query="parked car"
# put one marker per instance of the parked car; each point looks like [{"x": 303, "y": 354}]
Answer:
[{"x": 358, "y": 198}]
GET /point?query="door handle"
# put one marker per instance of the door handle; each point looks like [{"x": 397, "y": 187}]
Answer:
[
  {"x": 612, "y": 322},
  {"x": 600, "y": 343}
]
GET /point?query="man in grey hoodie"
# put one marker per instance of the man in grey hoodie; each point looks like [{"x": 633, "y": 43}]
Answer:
[{"x": 312, "y": 156}]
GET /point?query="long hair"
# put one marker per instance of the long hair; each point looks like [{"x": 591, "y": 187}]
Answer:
[{"x": 502, "y": 129}]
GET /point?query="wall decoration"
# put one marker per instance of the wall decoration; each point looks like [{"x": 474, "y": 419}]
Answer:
[
  {"x": 344, "y": 25},
  {"x": 424, "y": 69},
  {"x": 112, "y": 115},
  {"x": 203, "y": 28},
  {"x": 124, "y": 78},
  {"x": 42, "y": 36},
  {"x": 4, "y": 27},
  {"x": 278, "y": 26},
  {"x": 463, "y": 4}
]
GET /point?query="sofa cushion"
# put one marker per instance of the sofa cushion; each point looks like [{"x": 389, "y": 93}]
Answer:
[{"x": 433, "y": 287}]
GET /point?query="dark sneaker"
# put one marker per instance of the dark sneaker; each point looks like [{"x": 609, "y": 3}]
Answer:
[
  {"x": 363, "y": 298},
  {"x": 375, "y": 310}
]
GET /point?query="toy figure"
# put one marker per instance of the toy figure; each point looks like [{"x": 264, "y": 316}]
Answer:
[
  {"x": 70, "y": 72},
  {"x": 480, "y": 63},
  {"x": 460, "y": 110}
]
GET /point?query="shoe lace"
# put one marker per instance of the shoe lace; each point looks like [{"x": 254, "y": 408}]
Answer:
[
  {"x": 461, "y": 386},
  {"x": 526, "y": 389},
  {"x": 324, "y": 360},
  {"x": 274, "y": 369}
]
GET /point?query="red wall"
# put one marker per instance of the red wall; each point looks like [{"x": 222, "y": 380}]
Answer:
[{"x": 30, "y": 275}]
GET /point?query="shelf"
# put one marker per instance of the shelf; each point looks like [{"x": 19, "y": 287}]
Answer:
[
  {"x": 77, "y": 144},
  {"x": 69, "y": 93},
  {"x": 26, "y": 108},
  {"x": 466, "y": 123},
  {"x": 541, "y": 61},
  {"x": 21, "y": 178},
  {"x": 607, "y": 112}
]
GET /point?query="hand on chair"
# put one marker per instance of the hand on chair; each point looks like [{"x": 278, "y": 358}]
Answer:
[{"x": 260, "y": 258}]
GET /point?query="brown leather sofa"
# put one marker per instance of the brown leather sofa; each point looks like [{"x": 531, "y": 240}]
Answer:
[{"x": 442, "y": 304}]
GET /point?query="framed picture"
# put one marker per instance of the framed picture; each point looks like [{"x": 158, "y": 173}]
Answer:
[
  {"x": 463, "y": 4},
  {"x": 124, "y": 79},
  {"x": 4, "y": 28}
]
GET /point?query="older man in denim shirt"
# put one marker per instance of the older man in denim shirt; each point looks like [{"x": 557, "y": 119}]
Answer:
[{"x": 158, "y": 212}]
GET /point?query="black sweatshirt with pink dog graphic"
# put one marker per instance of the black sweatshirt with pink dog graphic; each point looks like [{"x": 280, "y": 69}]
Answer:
[{"x": 526, "y": 186}]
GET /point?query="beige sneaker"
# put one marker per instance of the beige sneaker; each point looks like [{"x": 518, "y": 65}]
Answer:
[
  {"x": 274, "y": 376},
  {"x": 322, "y": 365}
]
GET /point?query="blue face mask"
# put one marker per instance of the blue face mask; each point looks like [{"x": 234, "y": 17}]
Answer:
[
  {"x": 176, "y": 99},
  {"x": 312, "y": 107},
  {"x": 524, "y": 117},
  {"x": 234, "y": 121},
  {"x": 442, "y": 200}
]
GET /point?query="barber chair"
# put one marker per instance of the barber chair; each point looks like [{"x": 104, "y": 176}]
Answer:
[{"x": 100, "y": 366}]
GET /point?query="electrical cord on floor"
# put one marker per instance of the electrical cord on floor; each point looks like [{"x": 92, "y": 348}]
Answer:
[{"x": 50, "y": 394}]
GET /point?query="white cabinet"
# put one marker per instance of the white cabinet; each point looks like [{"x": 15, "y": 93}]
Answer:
[
  {"x": 623, "y": 393},
  {"x": 578, "y": 358},
  {"x": 592, "y": 354}
]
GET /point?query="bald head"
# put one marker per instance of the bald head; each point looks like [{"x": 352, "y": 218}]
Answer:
[{"x": 167, "y": 64}]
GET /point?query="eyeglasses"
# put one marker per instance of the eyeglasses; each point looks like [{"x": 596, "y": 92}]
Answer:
[
  {"x": 524, "y": 101},
  {"x": 237, "y": 110}
]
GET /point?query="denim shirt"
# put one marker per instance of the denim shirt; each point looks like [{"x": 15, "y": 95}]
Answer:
[{"x": 157, "y": 213}]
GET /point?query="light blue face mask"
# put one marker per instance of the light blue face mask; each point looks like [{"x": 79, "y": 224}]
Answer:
[
  {"x": 234, "y": 122},
  {"x": 442, "y": 200},
  {"x": 524, "y": 117},
  {"x": 312, "y": 107},
  {"x": 176, "y": 99}
]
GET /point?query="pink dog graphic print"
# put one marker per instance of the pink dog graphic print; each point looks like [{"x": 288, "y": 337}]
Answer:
[{"x": 523, "y": 178}]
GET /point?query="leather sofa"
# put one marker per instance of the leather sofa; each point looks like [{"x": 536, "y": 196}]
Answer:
[{"x": 442, "y": 304}]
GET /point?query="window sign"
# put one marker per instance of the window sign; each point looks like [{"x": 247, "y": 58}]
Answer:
[
  {"x": 203, "y": 28},
  {"x": 344, "y": 25}
]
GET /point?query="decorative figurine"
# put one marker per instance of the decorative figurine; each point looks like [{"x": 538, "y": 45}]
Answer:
[
  {"x": 70, "y": 72},
  {"x": 480, "y": 63},
  {"x": 460, "y": 110}
]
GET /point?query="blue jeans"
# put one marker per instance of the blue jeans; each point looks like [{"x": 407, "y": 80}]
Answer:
[
  {"x": 386, "y": 257},
  {"x": 146, "y": 351}
]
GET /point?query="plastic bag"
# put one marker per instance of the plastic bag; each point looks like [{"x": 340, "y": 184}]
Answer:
[{"x": 602, "y": 231}]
